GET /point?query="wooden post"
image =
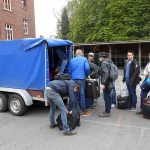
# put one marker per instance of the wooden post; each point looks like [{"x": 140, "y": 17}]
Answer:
[{"x": 110, "y": 53}]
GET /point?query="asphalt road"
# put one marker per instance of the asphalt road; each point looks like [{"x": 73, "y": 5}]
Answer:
[{"x": 124, "y": 130}]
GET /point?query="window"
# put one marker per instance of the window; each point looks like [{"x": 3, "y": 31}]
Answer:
[
  {"x": 24, "y": 4},
  {"x": 25, "y": 26},
  {"x": 9, "y": 32},
  {"x": 7, "y": 4}
]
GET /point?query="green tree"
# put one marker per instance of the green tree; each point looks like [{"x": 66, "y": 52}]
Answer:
[
  {"x": 63, "y": 25},
  {"x": 129, "y": 19},
  {"x": 108, "y": 20}
]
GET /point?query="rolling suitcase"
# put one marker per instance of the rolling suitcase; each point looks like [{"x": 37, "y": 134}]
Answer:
[
  {"x": 146, "y": 107},
  {"x": 123, "y": 102},
  {"x": 92, "y": 89}
]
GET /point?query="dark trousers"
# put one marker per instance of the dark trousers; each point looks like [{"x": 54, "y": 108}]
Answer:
[
  {"x": 132, "y": 94},
  {"x": 107, "y": 99}
]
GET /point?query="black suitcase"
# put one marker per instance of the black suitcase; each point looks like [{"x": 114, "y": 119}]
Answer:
[
  {"x": 146, "y": 107},
  {"x": 92, "y": 89},
  {"x": 123, "y": 102}
]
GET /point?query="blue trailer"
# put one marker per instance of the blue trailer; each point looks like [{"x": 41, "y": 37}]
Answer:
[{"x": 26, "y": 67}]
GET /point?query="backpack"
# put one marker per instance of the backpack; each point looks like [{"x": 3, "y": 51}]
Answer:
[{"x": 113, "y": 73}]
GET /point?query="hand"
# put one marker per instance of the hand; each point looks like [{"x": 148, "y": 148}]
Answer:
[
  {"x": 89, "y": 77},
  {"x": 102, "y": 86},
  {"x": 70, "y": 112}
]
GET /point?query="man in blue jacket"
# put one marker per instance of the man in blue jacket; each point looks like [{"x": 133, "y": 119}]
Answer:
[
  {"x": 54, "y": 93},
  {"x": 79, "y": 69}
]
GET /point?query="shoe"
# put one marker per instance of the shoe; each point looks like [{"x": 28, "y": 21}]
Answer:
[
  {"x": 104, "y": 114},
  {"x": 132, "y": 109},
  {"x": 52, "y": 126},
  {"x": 71, "y": 132},
  {"x": 113, "y": 105},
  {"x": 78, "y": 124},
  {"x": 138, "y": 112},
  {"x": 86, "y": 113}
]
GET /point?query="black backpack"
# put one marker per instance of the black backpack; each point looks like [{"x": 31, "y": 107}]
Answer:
[{"x": 73, "y": 120}]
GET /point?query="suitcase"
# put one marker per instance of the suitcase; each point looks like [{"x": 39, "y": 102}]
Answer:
[
  {"x": 123, "y": 102},
  {"x": 146, "y": 107},
  {"x": 92, "y": 89}
]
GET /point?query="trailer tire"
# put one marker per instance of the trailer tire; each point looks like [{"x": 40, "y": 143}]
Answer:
[
  {"x": 3, "y": 102},
  {"x": 17, "y": 105}
]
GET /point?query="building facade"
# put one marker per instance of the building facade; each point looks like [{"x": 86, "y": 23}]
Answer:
[{"x": 17, "y": 19}]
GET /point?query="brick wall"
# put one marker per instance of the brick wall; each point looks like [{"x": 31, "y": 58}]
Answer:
[{"x": 15, "y": 18}]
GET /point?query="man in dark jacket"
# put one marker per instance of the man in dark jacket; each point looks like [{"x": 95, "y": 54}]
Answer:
[
  {"x": 54, "y": 93},
  {"x": 106, "y": 82},
  {"x": 94, "y": 69},
  {"x": 131, "y": 77},
  {"x": 94, "y": 73}
]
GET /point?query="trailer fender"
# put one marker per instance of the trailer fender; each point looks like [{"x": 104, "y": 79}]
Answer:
[{"x": 23, "y": 93}]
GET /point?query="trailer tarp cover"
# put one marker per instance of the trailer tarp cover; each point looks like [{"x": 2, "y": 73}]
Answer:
[{"x": 22, "y": 62}]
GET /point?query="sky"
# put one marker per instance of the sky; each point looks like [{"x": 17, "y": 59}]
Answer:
[{"x": 45, "y": 20}]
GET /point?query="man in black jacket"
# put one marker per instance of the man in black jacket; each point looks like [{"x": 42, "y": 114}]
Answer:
[
  {"x": 131, "y": 77},
  {"x": 106, "y": 82}
]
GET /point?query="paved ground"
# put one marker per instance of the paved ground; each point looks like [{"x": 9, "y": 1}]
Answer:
[{"x": 122, "y": 131}]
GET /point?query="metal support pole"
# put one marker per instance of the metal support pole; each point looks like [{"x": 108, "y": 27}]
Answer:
[{"x": 140, "y": 55}]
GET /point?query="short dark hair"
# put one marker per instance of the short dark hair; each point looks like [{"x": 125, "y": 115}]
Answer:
[
  {"x": 103, "y": 54},
  {"x": 129, "y": 51}
]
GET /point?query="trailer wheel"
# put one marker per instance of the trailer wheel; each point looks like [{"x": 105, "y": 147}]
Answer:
[
  {"x": 3, "y": 102},
  {"x": 16, "y": 105}
]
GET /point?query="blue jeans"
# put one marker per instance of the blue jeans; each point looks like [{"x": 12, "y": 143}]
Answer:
[
  {"x": 144, "y": 95},
  {"x": 132, "y": 94},
  {"x": 113, "y": 94},
  {"x": 55, "y": 99},
  {"x": 81, "y": 84},
  {"x": 107, "y": 99}
]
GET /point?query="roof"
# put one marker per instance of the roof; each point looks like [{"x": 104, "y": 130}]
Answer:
[{"x": 112, "y": 43}]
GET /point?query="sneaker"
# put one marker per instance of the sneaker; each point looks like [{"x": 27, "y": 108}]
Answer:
[
  {"x": 139, "y": 111},
  {"x": 113, "y": 105},
  {"x": 104, "y": 114},
  {"x": 132, "y": 109},
  {"x": 86, "y": 113},
  {"x": 52, "y": 126},
  {"x": 70, "y": 132}
]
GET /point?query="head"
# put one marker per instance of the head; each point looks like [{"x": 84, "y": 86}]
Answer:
[
  {"x": 130, "y": 55},
  {"x": 79, "y": 52},
  {"x": 76, "y": 87},
  {"x": 102, "y": 56},
  {"x": 91, "y": 56}
]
